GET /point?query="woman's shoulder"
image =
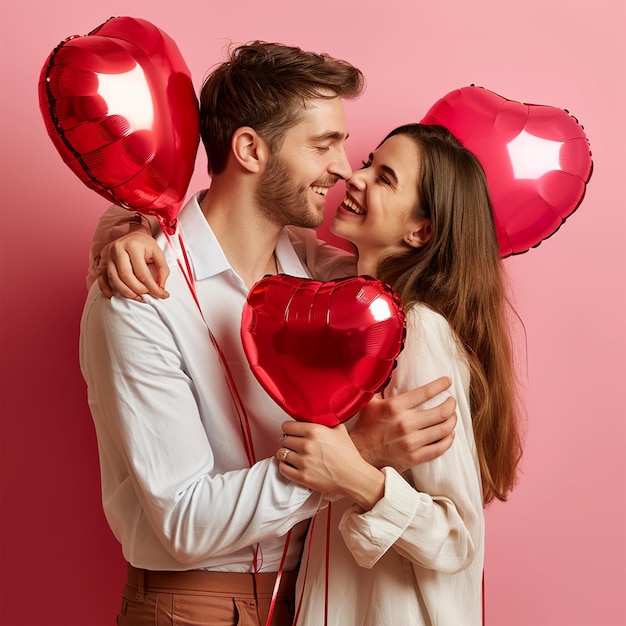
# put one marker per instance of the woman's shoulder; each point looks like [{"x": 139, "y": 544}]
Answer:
[
  {"x": 324, "y": 261},
  {"x": 427, "y": 325},
  {"x": 430, "y": 350},
  {"x": 421, "y": 314}
]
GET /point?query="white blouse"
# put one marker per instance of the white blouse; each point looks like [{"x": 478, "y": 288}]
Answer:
[{"x": 417, "y": 557}]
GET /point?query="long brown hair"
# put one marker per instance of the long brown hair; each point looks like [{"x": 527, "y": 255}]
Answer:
[
  {"x": 459, "y": 274},
  {"x": 266, "y": 86}
]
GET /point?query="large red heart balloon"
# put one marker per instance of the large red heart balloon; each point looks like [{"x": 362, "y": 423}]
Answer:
[
  {"x": 120, "y": 107},
  {"x": 536, "y": 158},
  {"x": 321, "y": 350}
]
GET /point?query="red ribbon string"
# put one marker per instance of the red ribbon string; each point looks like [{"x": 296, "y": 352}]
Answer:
[
  {"x": 327, "y": 566},
  {"x": 483, "y": 598},
  {"x": 279, "y": 576},
  {"x": 243, "y": 417}
]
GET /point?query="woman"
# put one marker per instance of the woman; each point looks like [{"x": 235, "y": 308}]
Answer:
[{"x": 408, "y": 549}]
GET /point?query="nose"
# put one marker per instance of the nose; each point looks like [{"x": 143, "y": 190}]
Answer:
[
  {"x": 357, "y": 180},
  {"x": 341, "y": 165}
]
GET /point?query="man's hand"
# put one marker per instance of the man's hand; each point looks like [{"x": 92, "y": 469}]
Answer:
[
  {"x": 133, "y": 265},
  {"x": 395, "y": 432},
  {"x": 325, "y": 459}
]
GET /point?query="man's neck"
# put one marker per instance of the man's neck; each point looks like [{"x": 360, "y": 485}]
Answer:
[{"x": 246, "y": 236}]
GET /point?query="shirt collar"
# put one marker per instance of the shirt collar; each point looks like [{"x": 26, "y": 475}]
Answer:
[
  {"x": 205, "y": 252},
  {"x": 203, "y": 249}
]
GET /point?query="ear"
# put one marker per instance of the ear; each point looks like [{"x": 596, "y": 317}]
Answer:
[
  {"x": 248, "y": 149},
  {"x": 420, "y": 234}
]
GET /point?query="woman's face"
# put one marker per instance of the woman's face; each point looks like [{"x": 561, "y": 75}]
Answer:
[{"x": 376, "y": 215}]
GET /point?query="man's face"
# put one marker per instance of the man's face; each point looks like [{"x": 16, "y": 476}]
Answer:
[{"x": 312, "y": 159}]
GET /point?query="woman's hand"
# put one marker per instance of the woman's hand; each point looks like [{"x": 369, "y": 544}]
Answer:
[
  {"x": 133, "y": 265},
  {"x": 325, "y": 459}
]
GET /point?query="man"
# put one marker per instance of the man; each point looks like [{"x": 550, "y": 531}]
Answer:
[{"x": 186, "y": 434}]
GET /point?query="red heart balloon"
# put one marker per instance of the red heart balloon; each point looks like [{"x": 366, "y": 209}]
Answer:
[
  {"x": 120, "y": 107},
  {"x": 321, "y": 350},
  {"x": 536, "y": 158}
]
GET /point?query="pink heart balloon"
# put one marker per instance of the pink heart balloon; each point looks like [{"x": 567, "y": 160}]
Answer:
[
  {"x": 120, "y": 107},
  {"x": 536, "y": 158},
  {"x": 321, "y": 350}
]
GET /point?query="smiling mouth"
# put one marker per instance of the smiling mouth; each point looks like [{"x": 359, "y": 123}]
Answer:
[
  {"x": 320, "y": 191},
  {"x": 352, "y": 207}
]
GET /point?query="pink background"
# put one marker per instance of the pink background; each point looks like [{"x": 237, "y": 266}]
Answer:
[{"x": 556, "y": 552}]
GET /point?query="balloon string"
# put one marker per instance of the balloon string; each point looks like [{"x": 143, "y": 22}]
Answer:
[
  {"x": 279, "y": 576},
  {"x": 328, "y": 520},
  {"x": 483, "y": 597},
  {"x": 188, "y": 276},
  {"x": 243, "y": 417}
]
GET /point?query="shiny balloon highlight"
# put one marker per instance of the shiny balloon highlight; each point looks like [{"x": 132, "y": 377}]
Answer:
[
  {"x": 536, "y": 158},
  {"x": 322, "y": 350},
  {"x": 120, "y": 108}
]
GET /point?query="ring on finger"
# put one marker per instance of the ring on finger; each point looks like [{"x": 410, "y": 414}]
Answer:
[{"x": 285, "y": 453}]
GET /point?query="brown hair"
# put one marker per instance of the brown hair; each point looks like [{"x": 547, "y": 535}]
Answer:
[
  {"x": 266, "y": 86},
  {"x": 459, "y": 274}
]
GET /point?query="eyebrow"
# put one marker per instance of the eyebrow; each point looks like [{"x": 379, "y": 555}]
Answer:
[
  {"x": 332, "y": 135},
  {"x": 390, "y": 172},
  {"x": 385, "y": 168}
]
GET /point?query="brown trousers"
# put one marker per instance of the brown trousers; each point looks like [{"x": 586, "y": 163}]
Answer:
[{"x": 197, "y": 598}]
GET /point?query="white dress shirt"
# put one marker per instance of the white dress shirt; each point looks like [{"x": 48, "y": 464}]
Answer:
[
  {"x": 417, "y": 557},
  {"x": 177, "y": 488}
]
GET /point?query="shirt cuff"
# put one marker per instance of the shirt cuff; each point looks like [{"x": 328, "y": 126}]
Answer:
[{"x": 368, "y": 535}]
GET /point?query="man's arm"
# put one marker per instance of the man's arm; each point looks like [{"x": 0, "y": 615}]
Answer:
[
  {"x": 198, "y": 497},
  {"x": 396, "y": 432}
]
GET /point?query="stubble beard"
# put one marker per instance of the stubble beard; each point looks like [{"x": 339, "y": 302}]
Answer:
[{"x": 283, "y": 200}]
